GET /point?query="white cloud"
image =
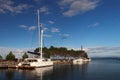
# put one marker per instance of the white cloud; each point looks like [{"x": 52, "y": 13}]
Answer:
[
  {"x": 51, "y": 22},
  {"x": 74, "y": 7},
  {"x": 2, "y": 11},
  {"x": 23, "y": 26},
  {"x": 32, "y": 28},
  {"x": 17, "y": 52},
  {"x": 46, "y": 35},
  {"x": 9, "y": 6},
  {"x": 55, "y": 30},
  {"x": 104, "y": 51},
  {"x": 94, "y": 25},
  {"x": 44, "y": 9}
]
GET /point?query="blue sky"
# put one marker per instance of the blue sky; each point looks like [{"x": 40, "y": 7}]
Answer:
[{"x": 68, "y": 23}]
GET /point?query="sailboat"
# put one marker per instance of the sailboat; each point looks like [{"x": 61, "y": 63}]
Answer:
[
  {"x": 40, "y": 61},
  {"x": 81, "y": 60}
]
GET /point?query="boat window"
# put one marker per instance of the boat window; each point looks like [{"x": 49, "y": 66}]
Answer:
[
  {"x": 32, "y": 60},
  {"x": 45, "y": 60}
]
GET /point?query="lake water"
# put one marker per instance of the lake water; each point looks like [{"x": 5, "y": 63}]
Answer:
[{"x": 97, "y": 69}]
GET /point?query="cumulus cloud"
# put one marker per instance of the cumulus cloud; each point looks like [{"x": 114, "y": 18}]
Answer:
[
  {"x": 44, "y": 9},
  {"x": 74, "y": 7},
  {"x": 51, "y": 22},
  {"x": 45, "y": 29},
  {"x": 94, "y": 25},
  {"x": 55, "y": 30},
  {"x": 30, "y": 28},
  {"x": 23, "y": 26},
  {"x": 9, "y": 6}
]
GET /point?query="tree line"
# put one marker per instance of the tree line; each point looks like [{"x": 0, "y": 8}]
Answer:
[
  {"x": 52, "y": 51},
  {"x": 11, "y": 56},
  {"x": 62, "y": 51}
]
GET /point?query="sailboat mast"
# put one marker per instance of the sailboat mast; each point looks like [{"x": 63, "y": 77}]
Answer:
[
  {"x": 39, "y": 31},
  {"x": 41, "y": 42}
]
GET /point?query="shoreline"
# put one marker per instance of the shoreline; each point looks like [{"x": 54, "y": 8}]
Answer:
[{"x": 14, "y": 64}]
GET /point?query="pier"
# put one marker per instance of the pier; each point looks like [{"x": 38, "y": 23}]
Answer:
[{"x": 13, "y": 65}]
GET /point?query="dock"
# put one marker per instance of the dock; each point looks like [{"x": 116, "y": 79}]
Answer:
[{"x": 13, "y": 65}]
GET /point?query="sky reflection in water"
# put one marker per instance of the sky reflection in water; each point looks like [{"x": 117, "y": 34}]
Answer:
[{"x": 97, "y": 69}]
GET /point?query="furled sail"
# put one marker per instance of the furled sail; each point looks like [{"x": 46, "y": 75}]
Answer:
[{"x": 35, "y": 53}]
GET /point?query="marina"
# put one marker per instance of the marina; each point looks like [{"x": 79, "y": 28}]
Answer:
[
  {"x": 59, "y": 40},
  {"x": 14, "y": 64},
  {"x": 108, "y": 70}
]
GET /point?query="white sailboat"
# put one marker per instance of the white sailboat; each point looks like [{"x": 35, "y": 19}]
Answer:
[
  {"x": 37, "y": 62},
  {"x": 81, "y": 60}
]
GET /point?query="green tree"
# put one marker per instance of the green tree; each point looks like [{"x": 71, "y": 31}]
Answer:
[
  {"x": 46, "y": 52},
  {"x": 1, "y": 58},
  {"x": 25, "y": 55},
  {"x": 10, "y": 56}
]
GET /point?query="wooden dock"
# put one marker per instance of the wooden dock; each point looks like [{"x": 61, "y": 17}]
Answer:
[{"x": 13, "y": 65}]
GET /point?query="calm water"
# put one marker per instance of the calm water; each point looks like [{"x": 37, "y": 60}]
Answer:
[{"x": 97, "y": 69}]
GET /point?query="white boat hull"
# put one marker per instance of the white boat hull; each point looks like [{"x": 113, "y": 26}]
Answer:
[
  {"x": 36, "y": 62},
  {"x": 80, "y": 60}
]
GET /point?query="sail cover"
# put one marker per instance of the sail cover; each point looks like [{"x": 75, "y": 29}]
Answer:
[{"x": 35, "y": 53}]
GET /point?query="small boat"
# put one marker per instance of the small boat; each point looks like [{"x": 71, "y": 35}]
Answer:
[
  {"x": 40, "y": 61},
  {"x": 81, "y": 60}
]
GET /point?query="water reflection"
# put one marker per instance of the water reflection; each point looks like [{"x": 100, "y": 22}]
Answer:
[
  {"x": 70, "y": 72},
  {"x": 43, "y": 73},
  {"x": 37, "y": 74},
  {"x": 96, "y": 70},
  {"x": 7, "y": 74},
  {"x": 10, "y": 74},
  {"x": 79, "y": 71},
  {"x": 56, "y": 72}
]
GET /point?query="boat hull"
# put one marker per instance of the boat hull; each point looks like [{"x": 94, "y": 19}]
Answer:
[
  {"x": 80, "y": 60},
  {"x": 35, "y": 62}
]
